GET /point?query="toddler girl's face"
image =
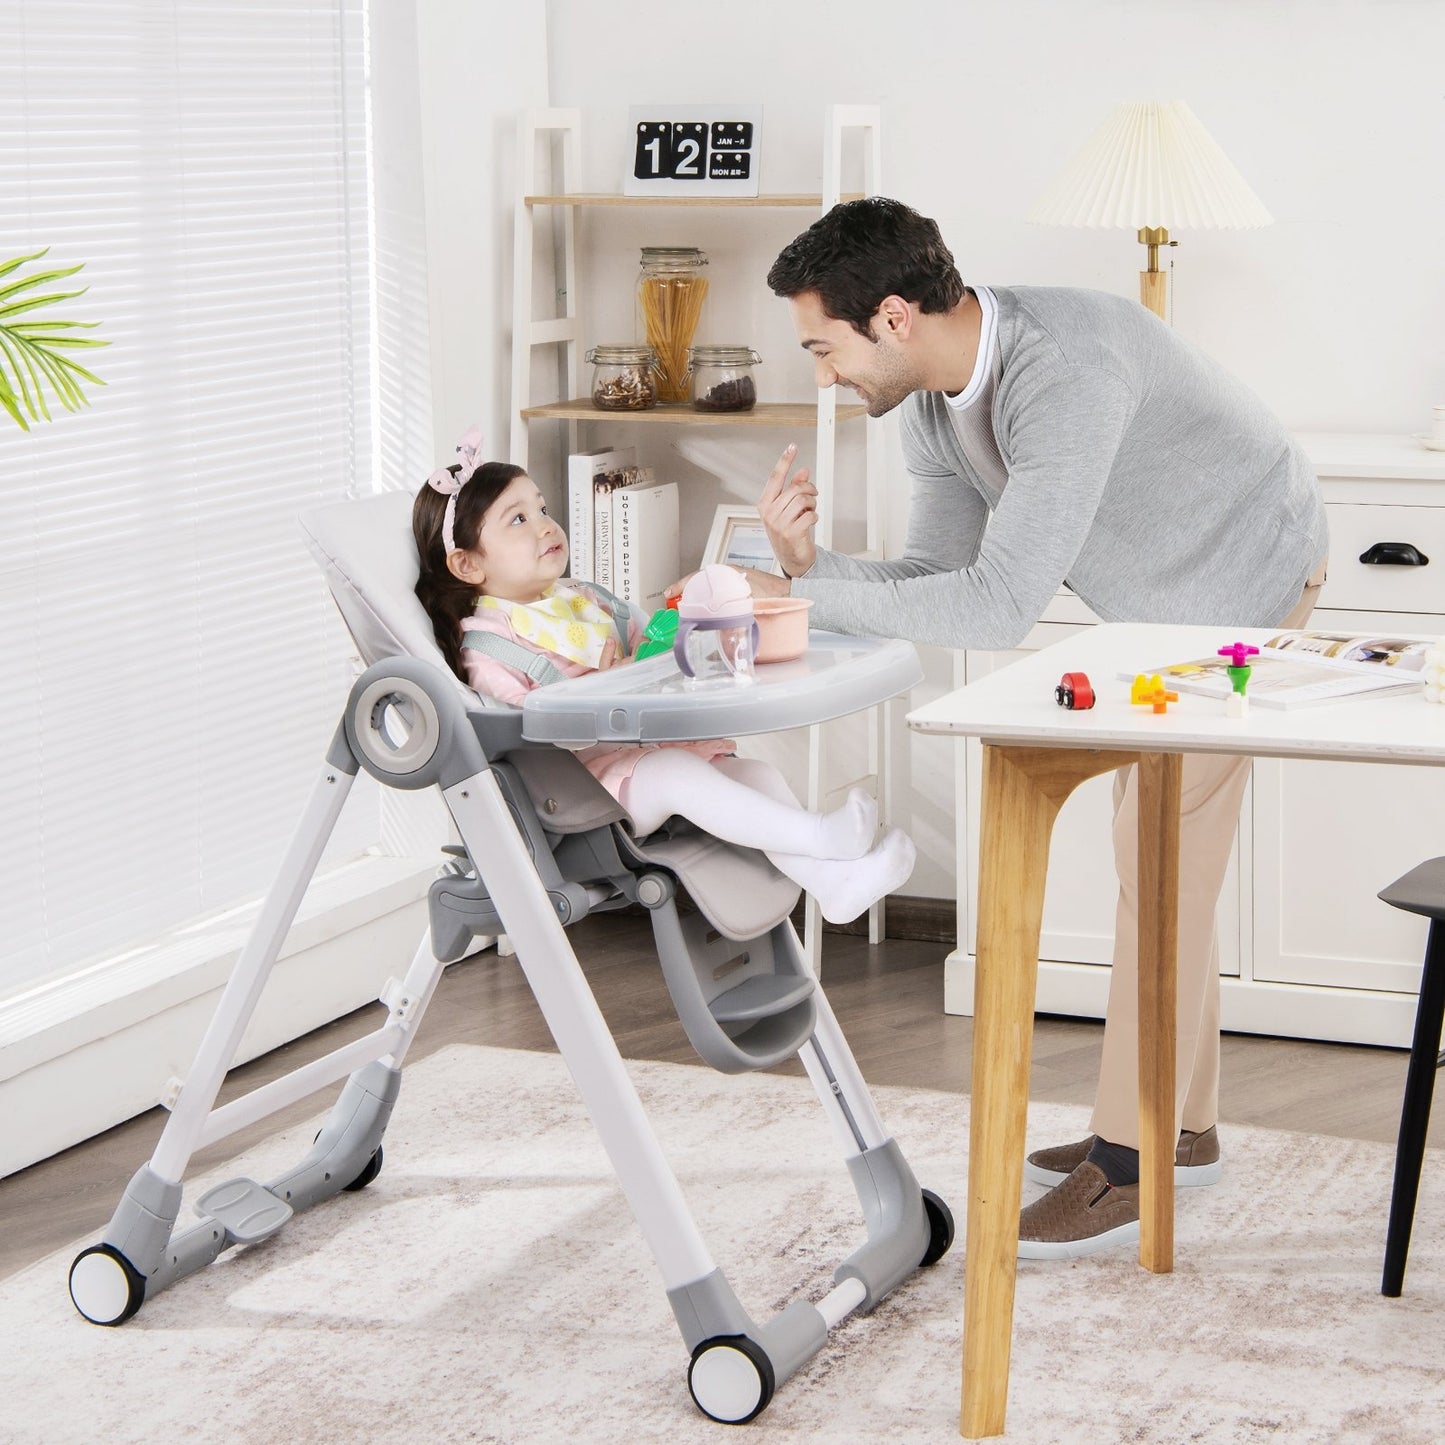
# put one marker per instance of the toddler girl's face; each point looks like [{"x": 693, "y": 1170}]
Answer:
[{"x": 522, "y": 550}]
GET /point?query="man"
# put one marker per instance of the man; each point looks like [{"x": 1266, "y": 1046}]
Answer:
[{"x": 1056, "y": 435}]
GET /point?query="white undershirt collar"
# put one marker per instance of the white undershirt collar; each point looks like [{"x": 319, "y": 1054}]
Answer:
[{"x": 988, "y": 329}]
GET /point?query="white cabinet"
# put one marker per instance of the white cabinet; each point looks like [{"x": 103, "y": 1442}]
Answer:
[{"x": 1307, "y": 950}]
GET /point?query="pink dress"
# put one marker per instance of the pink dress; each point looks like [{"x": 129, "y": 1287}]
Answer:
[{"x": 610, "y": 763}]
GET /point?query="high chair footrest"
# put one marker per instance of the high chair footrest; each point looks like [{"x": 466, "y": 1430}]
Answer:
[
  {"x": 246, "y": 1210},
  {"x": 760, "y": 997}
]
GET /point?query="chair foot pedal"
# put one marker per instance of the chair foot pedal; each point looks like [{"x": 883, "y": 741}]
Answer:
[{"x": 246, "y": 1210}]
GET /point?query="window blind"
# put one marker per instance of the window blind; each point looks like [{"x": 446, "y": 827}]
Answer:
[{"x": 172, "y": 665}]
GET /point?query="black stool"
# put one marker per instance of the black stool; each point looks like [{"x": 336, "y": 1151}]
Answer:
[{"x": 1421, "y": 890}]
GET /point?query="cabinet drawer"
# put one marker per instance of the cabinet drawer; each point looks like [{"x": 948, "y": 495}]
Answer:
[{"x": 1385, "y": 587}]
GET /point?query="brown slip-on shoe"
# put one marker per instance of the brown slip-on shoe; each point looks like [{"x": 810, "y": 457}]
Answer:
[
  {"x": 1196, "y": 1160},
  {"x": 1083, "y": 1215}
]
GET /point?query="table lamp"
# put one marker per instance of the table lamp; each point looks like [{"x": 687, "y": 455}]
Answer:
[{"x": 1151, "y": 166}]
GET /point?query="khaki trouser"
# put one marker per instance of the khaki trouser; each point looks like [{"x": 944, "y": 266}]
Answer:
[{"x": 1212, "y": 791}]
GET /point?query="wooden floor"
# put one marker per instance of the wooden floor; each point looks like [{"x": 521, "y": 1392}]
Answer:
[{"x": 889, "y": 1000}]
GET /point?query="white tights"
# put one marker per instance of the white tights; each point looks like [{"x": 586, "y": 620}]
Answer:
[{"x": 746, "y": 801}]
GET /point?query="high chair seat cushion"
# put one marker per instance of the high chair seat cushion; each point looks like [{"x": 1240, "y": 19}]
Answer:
[
  {"x": 739, "y": 892},
  {"x": 568, "y": 799}
]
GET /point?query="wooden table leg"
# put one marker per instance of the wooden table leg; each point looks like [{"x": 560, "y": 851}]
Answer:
[
  {"x": 1159, "y": 797},
  {"x": 1023, "y": 790}
]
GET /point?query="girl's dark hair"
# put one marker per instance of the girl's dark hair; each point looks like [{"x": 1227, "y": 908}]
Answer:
[
  {"x": 864, "y": 250},
  {"x": 448, "y": 599}
]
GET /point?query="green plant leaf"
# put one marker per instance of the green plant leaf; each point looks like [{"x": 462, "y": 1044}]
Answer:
[
  {"x": 63, "y": 370},
  {"x": 7, "y": 400},
  {"x": 33, "y": 303},
  {"x": 76, "y": 369},
  {"x": 41, "y": 278},
  {"x": 33, "y": 351},
  {"x": 33, "y": 325},
  {"x": 20, "y": 386},
  {"x": 6, "y": 267},
  {"x": 67, "y": 393}
]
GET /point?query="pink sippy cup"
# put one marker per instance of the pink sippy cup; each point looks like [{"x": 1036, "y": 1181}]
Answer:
[{"x": 717, "y": 635}]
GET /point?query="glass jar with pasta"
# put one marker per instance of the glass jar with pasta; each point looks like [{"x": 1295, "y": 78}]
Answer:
[{"x": 670, "y": 291}]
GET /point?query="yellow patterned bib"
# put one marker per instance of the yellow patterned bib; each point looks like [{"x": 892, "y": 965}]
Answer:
[{"x": 566, "y": 622}]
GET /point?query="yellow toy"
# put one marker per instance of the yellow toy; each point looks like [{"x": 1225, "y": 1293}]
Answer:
[{"x": 1150, "y": 691}]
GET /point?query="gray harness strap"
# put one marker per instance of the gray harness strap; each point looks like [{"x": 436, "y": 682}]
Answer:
[
  {"x": 535, "y": 664},
  {"x": 621, "y": 614},
  {"x": 506, "y": 650}
]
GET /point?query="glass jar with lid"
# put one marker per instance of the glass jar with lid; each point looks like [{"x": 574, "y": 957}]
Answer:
[
  {"x": 722, "y": 377},
  {"x": 670, "y": 291},
  {"x": 624, "y": 378}
]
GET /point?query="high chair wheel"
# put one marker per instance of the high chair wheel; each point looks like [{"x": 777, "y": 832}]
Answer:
[
  {"x": 105, "y": 1286},
  {"x": 940, "y": 1229},
  {"x": 731, "y": 1379},
  {"x": 372, "y": 1169}
]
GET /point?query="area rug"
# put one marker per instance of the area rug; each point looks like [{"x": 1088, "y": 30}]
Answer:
[{"x": 491, "y": 1286}]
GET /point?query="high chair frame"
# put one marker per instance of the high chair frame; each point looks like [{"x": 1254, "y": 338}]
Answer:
[{"x": 746, "y": 1003}]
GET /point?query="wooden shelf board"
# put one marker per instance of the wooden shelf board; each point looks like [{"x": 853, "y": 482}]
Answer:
[
  {"x": 584, "y": 198},
  {"x": 774, "y": 413}
]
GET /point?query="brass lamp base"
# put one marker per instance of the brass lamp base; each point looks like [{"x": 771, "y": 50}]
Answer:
[{"x": 1154, "y": 283}]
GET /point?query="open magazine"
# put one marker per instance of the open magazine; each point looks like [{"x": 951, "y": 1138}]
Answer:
[{"x": 1294, "y": 669}]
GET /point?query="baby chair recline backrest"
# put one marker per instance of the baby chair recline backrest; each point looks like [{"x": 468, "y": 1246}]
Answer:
[{"x": 366, "y": 550}]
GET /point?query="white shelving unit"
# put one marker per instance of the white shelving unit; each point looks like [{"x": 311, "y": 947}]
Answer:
[{"x": 561, "y": 128}]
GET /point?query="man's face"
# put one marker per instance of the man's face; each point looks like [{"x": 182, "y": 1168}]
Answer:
[{"x": 876, "y": 367}]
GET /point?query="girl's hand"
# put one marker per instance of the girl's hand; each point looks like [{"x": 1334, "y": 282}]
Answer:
[
  {"x": 609, "y": 655},
  {"x": 789, "y": 511}
]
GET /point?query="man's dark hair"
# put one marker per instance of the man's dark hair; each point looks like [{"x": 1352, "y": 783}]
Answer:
[{"x": 864, "y": 250}]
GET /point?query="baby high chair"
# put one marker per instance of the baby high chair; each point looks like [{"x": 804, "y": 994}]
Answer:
[{"x": 543, "y": 845}]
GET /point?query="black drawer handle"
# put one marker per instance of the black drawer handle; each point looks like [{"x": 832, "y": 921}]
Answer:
[{"x": 1394, "y": 554}]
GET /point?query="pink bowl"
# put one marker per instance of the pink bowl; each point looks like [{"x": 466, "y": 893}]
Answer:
[{"x": 782, "y": 627}]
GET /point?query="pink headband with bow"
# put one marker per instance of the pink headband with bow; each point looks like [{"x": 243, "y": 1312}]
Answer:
[{"x": 449, "y": 483}]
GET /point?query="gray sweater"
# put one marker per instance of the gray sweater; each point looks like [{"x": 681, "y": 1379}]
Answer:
[{"x": 1139, "y": 471}]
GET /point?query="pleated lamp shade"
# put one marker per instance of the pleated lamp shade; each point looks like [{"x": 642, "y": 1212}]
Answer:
[{"x": 1151, "y": 164}]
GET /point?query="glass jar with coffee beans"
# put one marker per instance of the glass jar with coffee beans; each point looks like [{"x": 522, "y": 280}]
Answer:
[
  {"x": 722, "y": 377},
  {"x": 624, "y": 378}
]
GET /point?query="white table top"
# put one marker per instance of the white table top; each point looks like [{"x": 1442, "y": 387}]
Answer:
[{"x": 1016, "y": 705}]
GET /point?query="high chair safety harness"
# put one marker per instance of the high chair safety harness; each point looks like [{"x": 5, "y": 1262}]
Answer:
[
  {"x": 537, "y": 667},
  {"x": 543, "y": 845}
]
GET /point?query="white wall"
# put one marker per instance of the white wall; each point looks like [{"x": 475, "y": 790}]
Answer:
[
  {"x": 482, "y": 66},
  {"x": 1331, "y": 109}
]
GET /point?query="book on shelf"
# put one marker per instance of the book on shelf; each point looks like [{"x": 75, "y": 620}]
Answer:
[
  {"x": 603, "y": 487},
  {"x": 644, "y": 541},
  {"x": 583, "y": 470},
  {"x": 1300, "y": 668}
]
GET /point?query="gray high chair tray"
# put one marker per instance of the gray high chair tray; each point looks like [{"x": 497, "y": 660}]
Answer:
[
  {"x": 543, "y": 845},
  {"x": 650, "y": 702}
]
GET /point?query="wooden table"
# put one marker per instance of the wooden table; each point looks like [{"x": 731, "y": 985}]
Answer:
[{"x": 1035, "y": 754}]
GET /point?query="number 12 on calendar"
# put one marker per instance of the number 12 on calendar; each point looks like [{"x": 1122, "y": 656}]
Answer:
[{"x": 694, "y": 150}]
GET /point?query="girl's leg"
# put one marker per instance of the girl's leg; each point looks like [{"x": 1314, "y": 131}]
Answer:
[
  {"x": 673, "y": 780},
  {"x": 843, "y": 889}
]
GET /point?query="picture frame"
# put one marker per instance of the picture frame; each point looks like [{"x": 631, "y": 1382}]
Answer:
[{"x": 737, "y": 538}]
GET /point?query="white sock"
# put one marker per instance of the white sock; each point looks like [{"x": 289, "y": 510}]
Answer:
[
  {"x": 848, "y": 831},
  {"x": 845, "y": 888}
]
